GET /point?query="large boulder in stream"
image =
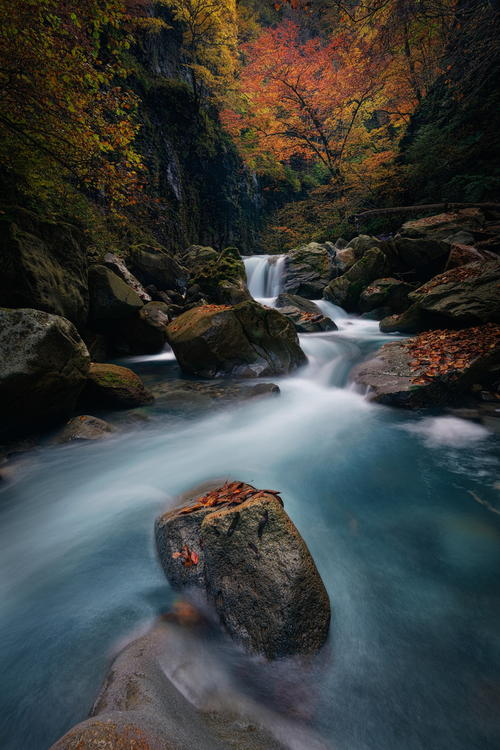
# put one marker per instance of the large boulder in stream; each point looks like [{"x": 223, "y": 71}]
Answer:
[
  {"x": 114, "y": 387},
  {"x": 239, "y": 545},
  {"x": 138, "y": 707},
  {"x": 432, "y": 368},
  {"x": 111, "y": 298},
  {"x": 387, "y": 292},
  {"x": 246, "y": 341},
  {"x": 155, "y": 266},
  {"x": 146, "y": 331},
  {"x": 463, "y": 296},
  {"x": 346, "y": 290},
  {"x": 43, "y": 368},
  {"x": 309, "y": 268},
  {"x": 43, "y": 265}
]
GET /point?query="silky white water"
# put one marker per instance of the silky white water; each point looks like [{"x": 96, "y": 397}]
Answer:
[{"x": 387, "y": 502}]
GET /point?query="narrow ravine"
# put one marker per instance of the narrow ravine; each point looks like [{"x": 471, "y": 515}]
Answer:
[{"x": 391, "y": 505}]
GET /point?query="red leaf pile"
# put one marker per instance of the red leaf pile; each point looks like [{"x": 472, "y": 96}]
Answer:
[
  {"x": 449, "y": 352},
  {"x": 231, "y": 494}
]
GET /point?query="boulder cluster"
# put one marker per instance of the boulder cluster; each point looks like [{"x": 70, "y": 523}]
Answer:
[{"x": 61, "y": 319}]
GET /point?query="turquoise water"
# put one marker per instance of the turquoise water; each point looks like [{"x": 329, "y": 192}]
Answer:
[{"x": 387, "y": 501}]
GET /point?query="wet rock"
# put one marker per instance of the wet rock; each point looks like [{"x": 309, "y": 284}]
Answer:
[
  {"x": 256, "y": 569},
  {"x": 414, "y": 320},
  {"x": 392, "y": 380},
  {"x": 300, "y": 303},
  {"x": 110, "y": 297},
  {"x": 309, "y": 268},
  {"x": 43, "y": 368},
  {"x": 246, "y": 341},
  {"x": 380, "y": 313},
  {"x": 305, "y": 315},
  {"x": 186, "y": 396},
  {"x": 139, "y": 707},
  {"x": 43, "y": 266},
  {"x": 114, "y": 387},
  {"x": 468, "y": 295},
  {"x": 387, "y": 292},
  {"x": 84, "y": 427},
  {"x": 308, "y": 322},
  {"x": 146, "y": 331},
  {"x": 115, "y": 264},
  {"x": 156, "y": 267},
  {"x": 346, "y": 290}
]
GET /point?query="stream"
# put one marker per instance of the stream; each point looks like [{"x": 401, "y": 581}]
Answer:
[{"x": 399, "y": 511}]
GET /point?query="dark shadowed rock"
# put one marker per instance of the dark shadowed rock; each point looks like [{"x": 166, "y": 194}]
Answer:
[
  {"x": 43, "y": 265},
  {"x": 110, "y": 297},
  {"x": 415, "y": 253},
  {"x": 255, "y": 567},
  {"x": 146, "y": 331},
  {"x": 114, "y": 387},
  {"x": 153, "y": 266},
  {"x": 346, "y": 290},
  {"x": 248, "y": 341},
  {"x": 43, "y": 368},
  {"x": 115, "y": 264},
  {"x": 84, "y": 427},
  {"x": 386, "y": 292}
]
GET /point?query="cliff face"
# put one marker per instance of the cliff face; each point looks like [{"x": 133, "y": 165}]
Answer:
[{"x": 205, "y": 194}]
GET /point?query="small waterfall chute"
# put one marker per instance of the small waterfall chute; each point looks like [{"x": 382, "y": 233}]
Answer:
[{"x": 265, "y": 275}]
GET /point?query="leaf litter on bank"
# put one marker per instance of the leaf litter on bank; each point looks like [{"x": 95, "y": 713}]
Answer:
[{"x": 447, "y": 353}]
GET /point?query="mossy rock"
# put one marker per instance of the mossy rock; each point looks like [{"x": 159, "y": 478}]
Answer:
[
  {"x": 227, "y": 267},
  {"x": 114, "y": 387}
]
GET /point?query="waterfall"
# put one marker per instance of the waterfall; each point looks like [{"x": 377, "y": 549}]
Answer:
[{"x": 265, "y": 275}]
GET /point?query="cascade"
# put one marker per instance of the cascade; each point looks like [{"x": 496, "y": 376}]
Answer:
[
  {"x": 265, "y": 275},
  {"x": 385, "y": 500}
]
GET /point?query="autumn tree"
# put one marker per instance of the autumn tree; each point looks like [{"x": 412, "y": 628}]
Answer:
[
  {"x": 339, "y": 102},
  {"x": 62, "y": 103},
  {"x": 209, "y": 42}
]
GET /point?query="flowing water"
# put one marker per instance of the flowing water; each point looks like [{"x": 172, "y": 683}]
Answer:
[{"x": 398, "y": 509}]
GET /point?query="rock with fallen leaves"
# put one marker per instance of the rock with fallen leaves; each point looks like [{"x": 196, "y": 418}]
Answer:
[
  {"x": 246, "y": 341},
  {"x": 432, "y": 368},
  {"x": 468, "y": 295},
  {"x": 238, "y": 543},
  {"x": 305, "y": 315}
]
